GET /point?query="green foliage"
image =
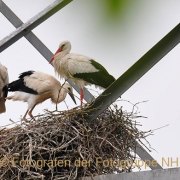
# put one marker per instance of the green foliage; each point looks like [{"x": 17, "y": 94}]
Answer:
[{"x": 116, "y": 9}]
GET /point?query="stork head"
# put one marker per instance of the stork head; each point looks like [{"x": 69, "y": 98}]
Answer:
[
  {"x": 59, "y": 95},
  {"x": 69, "y": 90},
  {"x": 64, "y": 47}
]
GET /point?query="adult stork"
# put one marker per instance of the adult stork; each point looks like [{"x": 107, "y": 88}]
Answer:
[
  {"x": 35, "y": 87},
  {"x": 4, "y": 80},
  {"x": 81, "y": 69}
]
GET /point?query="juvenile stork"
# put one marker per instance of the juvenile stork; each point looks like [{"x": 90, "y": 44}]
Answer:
[
  {"x": 35, "y": 87},
  {"x": 4, "y": 80},
  {"x": 81, "y": 69}
]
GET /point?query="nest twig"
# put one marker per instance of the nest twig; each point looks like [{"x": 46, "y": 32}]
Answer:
[{"x": 64, "y": 145}]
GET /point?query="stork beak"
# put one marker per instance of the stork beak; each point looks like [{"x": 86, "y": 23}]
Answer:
[
  {"x": 72, "y": 96},
  {"x": 59, "y": 50},
  {"x": 51, "y": 60}
]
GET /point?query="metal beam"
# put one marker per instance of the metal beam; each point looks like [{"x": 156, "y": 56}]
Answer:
[
  {"x": 34, "y": 40},
  {"x": 134, "y": 73},
  {"x": 146, "y": 157},
  {"x": 32, "y": 23},
  {"x": 165, "y": 174}
]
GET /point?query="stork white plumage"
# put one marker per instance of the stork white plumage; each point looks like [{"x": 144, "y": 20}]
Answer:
[
  {"x": 81, "y": 69},
  {"x": 35, "y": 87},
  {"x": 4, "y": 80}
]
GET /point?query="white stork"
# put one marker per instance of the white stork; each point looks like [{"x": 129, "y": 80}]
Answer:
[
  {"x": 35, "y": 87},
  {"x": 4, "y": 80},
  {"x": 82, "y": 70}
]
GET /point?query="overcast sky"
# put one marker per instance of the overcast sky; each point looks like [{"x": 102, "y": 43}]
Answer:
[{"x": 116, "y": 47}]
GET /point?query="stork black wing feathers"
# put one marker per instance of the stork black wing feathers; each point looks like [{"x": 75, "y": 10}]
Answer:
[
  {"x": 27, "y": 73},
  {"x": 19, "y": 85},
  {"x": 101, "y": 77}
]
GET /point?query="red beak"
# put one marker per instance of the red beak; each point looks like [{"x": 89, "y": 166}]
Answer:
[{"x": 59, "y": 50}]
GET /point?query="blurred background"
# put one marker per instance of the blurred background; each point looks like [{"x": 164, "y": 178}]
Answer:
[{"x": 116, "y": 33}]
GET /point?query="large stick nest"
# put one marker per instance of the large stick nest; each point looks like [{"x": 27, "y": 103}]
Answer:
[{"x": 65, "y": 145}]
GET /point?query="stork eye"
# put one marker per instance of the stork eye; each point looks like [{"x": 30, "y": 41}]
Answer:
[{"x": 62, "y": 47}]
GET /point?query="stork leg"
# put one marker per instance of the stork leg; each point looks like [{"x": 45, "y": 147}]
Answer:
[
  {"x": 30, "y": 112},
  {"x": 81, "y": 95},
  {"x": 24, "y": 117}
]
